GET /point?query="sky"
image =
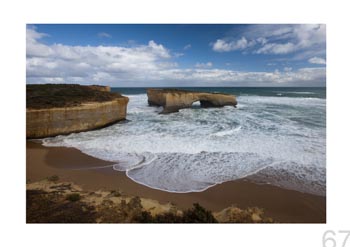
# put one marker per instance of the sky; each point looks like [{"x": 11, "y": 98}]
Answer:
[{"x": 177, "y": 55}]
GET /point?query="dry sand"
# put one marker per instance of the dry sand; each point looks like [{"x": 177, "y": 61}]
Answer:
[{"x": 280, "y": 204}]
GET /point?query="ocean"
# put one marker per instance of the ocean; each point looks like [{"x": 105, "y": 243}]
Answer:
[{"x": 275, "y": 136}]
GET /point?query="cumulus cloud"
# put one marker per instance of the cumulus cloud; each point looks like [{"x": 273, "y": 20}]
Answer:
[
  {"x": 225, "y": 46},
  {"x": 276, "y": 39},
  {"x": 204, "y": 65},
  {"x": 150, "y": 64},
  {"x": 274, "y": 48},
  {"x": 317, "y": 60},
  {"x": 104, "y": 35},
  {"x": 57, "y": 62}
]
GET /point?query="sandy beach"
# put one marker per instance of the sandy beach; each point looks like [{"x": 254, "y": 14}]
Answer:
[{"x": 282, "y": 205}]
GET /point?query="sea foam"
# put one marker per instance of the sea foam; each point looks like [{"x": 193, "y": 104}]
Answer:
[{"x": 197, "y": 148}]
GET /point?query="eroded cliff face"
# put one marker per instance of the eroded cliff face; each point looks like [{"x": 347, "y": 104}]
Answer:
[
  {"x": 56, "y": 121},
  {"x": 55, "y": 109},
  {"x": 173, "y": 100}
]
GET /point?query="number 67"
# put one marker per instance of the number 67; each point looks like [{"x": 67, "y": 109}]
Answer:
[{"x": 332, "y": 241}]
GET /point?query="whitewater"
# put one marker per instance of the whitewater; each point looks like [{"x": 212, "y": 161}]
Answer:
[{"x": 277, "y": 139}]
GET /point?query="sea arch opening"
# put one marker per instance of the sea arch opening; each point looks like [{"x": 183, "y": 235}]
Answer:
[{"x": 202, "y": 104}]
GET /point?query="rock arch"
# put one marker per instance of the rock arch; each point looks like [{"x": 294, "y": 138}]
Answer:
[{"x": 172, "y": 99}]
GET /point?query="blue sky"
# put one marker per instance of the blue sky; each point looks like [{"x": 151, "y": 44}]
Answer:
[{"x": 177, "y": 55}]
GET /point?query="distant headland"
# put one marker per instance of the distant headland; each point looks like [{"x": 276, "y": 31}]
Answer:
[{"x": 54, "y": 109}]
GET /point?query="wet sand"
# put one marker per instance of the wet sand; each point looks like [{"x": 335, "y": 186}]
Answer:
[{"x": 280, "y": 204}]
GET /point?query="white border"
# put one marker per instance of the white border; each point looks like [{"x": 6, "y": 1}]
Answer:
[{"x": 14, "y": 16}]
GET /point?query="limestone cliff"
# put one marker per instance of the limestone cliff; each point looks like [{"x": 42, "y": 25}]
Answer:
[
  {"x": 62, "y": 113},
  {"x": 172, "y": 100}
]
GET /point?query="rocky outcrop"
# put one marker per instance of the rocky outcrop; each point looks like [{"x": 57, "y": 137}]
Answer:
[
  {"x": 172, "y": 99},
  {"x": 52, "y": 121}
]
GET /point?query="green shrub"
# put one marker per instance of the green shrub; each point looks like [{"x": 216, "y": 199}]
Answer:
[
  {"x": 198, "y": 214},
  {"x": 115, "y": 193},
  {"x": 73, "y": 197},
  {"x": 143, "y": 217},
  {"x": 168, "y": 218},
  {"x": 44, "y": 207}
]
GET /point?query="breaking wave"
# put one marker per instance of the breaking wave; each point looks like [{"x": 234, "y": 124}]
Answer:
[{"x": 268, "y": 137}]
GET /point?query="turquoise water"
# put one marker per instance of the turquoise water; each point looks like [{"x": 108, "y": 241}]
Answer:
[{"x": 275, "y": 136}]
